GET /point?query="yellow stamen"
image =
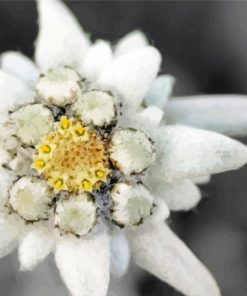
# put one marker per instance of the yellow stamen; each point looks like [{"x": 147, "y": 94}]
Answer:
[
  {"x": 100, "y": 174},
  {"x": 58, "y": 184},
  {"x": 45, "y": 148},
  {"x": 72, "y": 157},
  {"x": 86, "y": 185},
  {"x": 64, "y": 122},
  {"x": 39, "y": 163},
  {"x": 79, "y": 129}
]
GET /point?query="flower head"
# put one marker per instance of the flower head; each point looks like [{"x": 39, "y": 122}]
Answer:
[{"x": 84, "y": 159}]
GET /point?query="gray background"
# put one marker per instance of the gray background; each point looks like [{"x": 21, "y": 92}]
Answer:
[{"x": 205, "y": 47}]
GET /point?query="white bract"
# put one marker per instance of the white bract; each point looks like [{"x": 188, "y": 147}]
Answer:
[{"x": 86, "y": 159}]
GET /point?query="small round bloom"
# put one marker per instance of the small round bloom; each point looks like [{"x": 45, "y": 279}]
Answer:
[
  {"x": 131, "y": 204},
  {"x": 30, "y": 198},
  {"x": 60, "y": 86},
  {"x": 76, "y": 214}
]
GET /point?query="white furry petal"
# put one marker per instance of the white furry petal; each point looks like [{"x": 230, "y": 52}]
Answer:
[
  {"x": 97, "y": 58},
  {"x": 182, "y": 196},
  {"x": 130, "y": 75},
  {"x": 120, "y": 254},
  {"x": 13, "y": 93},
  {"x": 20, "y": 66},
  {"x": 158, "y": 250},
  {"x": 160, "y": 91},
  {"x": 189, "y": 152},
  {"x": 201, "y": 180},
  {"x": 133, "y": 40},
  {"x": 7, "y": 178},
  {"x": 34, "y": 247},
  {"x": 10, "y": 229},
  {"x": 179, "y": 196},
  {"x": 61, "y": 41},
  {"x": 152, "y": 114},
  {"x": 221, "y": 113},
  {"x": 84, "y": 264}
]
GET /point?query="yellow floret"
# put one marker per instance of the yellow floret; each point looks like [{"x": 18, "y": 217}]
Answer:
[
  {"x": 86, "y": 185},
  {"x": 64, "y": 122},
  {"x": 72, "y": 157},
  {"x": 39, "y": 163},
  {"x": 46, "y": 149}
]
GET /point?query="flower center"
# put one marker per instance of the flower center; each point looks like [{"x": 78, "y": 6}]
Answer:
[{"x": 72, "y": 157}]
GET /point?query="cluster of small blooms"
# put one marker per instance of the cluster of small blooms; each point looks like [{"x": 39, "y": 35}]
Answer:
[{"x": 79, "y": 151}]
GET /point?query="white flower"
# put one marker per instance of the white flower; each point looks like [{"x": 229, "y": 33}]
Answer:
[{"x": 87, "y": 171}]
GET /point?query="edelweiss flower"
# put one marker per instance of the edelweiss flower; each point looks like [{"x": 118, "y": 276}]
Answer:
[{"x": 86, "y": 165}]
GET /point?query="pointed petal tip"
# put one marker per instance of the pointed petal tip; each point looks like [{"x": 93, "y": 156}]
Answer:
[
  {"x": 160, "y": 90},
  {"x": 61, "y": 40},
  {"x": 20, "y": 66},
  {"x": 131, "y": 74},
  {"x": 34, "y": 248},
  {"x": 84, "y": 264},
  {"x": 159, "y": 251},
  {"x": 97, "y": 58},
  {"x": 120, "y": 254},
  {"x": 133, "y": 40},
  {"x": 190, "y": 152}
]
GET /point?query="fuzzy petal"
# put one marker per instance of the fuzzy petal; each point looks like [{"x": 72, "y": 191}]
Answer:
[
  {"x": 34, "y": 247},
  {"x": 187, "y": 152},
  {"x": 152, "y": 114},
  {"x": 61, "y": 41},
  {"x": 12, "y": 93},
  {"x": 158, "y": 250},
  {"x": 84, "y": 264},
  {"x": 20, "y": 66},
  {"x": 120, "y": 254},
  {"x": 10, "y": 229},
  {"x": 133, "y": 40},
  {"x": 201, "y": 180},
  {"x": 97, "y": 58},
  {"x": 222, "y": 113},
  {"x": 160, "y": 91},
  {"x": 179, "y": 196},
  {"x": 7, "y": 178},
  {"x": 131, "y": 74}
]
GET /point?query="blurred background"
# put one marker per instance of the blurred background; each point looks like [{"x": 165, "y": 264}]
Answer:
[{"x": 204, "y": 45}]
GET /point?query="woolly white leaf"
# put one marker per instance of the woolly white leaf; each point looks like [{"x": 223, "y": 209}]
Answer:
[
  {"x": 84, "y": 264},
  {"x": 61, "y": 41},
  {"x": 131, "y": 41},
  {"x": 34, "y": 247},
  {"x": 187, "y": 152},
  {"x": 131, "y": 74},
  {"x": 179, "y": 196},
  {"x": 158, "y": 250},
  {"x": 10, "y": 229},
  {"x": 222, "y": 113},
  {"x": 20, "y": 66},
  {"x": 152, "y": 114},
  {"x": 7, "y": 178},
  {"x": 120, "y": 254},
  {"x": 160, "y": 91},
  {"x": 97, "y": 58},
  {"x": 12, "y": 93},
  {"x": 201, "y": 180}
]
